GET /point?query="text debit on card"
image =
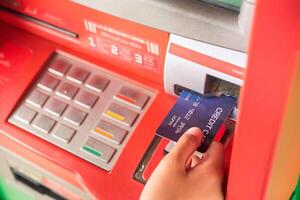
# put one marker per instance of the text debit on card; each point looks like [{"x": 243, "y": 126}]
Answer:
[{"x": 195, "y": 110}]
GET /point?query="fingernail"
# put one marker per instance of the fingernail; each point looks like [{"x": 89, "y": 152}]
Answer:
[{"x": 195, "y": 131}]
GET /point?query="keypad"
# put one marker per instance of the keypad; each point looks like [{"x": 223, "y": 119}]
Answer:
[
  {"x": 78, "y": 75},
  {"x": 75, "y": 116},
  {"x": 63, "y": 133},
  {"x": 66, "y": 90},
  {"x": 44, "y": 123},
  {"x": 86, "y": 99},
  {"x": 25, "y": 114},
  {"x": 48, "y": 82},
  {"x": 37, "y": 98},
  {"x": 97, "y": 83},
  {"x": 83, "y": 109},
  {"x": 55, "y": 106},
  {"x": 59, "y": 66}
]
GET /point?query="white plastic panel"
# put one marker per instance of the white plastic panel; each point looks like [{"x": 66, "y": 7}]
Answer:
[{"x": 184, "y": 72}]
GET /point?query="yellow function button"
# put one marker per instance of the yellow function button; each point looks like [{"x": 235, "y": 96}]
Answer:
[
  {"x": 121, "y": 114},
  {"x": 115, "y": 115}
]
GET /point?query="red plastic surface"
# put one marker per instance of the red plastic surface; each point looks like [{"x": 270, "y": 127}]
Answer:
[
  {"x": 271, "y": 67},
  {"x": 117, "y": 36},
  {"x": 116, "y": 184},
  {"x": 156, "y": 158}
]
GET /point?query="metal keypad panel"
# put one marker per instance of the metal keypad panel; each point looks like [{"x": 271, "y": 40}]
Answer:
[{"x": 83, "y": 109}]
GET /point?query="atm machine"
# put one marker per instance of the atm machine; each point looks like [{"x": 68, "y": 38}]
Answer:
[{"x": 85, "y": 85}]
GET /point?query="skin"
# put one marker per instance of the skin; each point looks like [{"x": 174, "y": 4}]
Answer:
[{"x": 183, "y": 175}]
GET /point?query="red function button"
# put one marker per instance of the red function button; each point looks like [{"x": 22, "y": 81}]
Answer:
[{"x": 132, "y": 97}]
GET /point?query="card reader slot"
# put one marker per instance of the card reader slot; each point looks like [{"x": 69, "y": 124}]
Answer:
[
  {"x": 216, "y": 86},
  {"x": 178, "y": 89},
  {"x": 40, "y": 22},
  {"x": 38, "y": 187}
]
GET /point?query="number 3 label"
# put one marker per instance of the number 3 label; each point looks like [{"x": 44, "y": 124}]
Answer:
[{"x": 138, "y": 58}]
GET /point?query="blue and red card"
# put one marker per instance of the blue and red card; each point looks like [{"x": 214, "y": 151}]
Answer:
[{"x": 195, "y": 110}]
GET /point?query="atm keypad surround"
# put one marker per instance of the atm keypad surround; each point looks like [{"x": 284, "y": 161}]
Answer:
[{"x": 83, "y": 109}]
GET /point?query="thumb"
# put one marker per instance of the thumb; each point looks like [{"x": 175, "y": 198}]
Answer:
[{"x": 187, "y": 145}]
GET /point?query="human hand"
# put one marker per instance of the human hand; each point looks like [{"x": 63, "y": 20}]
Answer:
[{"x": 182, "y": 175}]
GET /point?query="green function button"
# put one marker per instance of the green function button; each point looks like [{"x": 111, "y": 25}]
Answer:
[
  {"x": 92, "y": 151},
  {"x": 99, "y": 149}
]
